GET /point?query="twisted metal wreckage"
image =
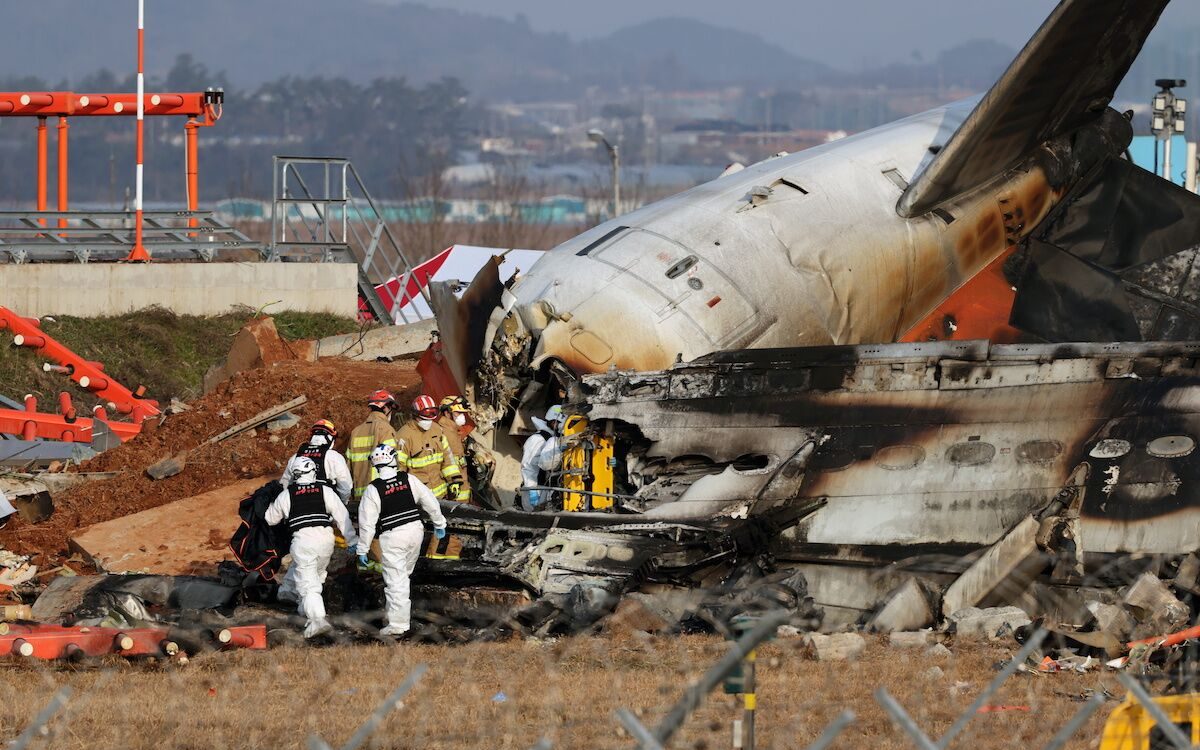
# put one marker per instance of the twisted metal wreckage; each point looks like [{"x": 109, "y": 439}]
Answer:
[{"x": 790, "y": 365}]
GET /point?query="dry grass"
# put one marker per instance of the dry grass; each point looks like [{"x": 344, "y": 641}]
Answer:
[{"x": 565, "y": 690}]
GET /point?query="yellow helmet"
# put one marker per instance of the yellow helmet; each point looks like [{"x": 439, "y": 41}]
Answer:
[{"x": 454, "y": 404}]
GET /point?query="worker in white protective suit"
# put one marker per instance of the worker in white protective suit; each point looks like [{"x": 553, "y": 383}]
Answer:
[
  {"x": 312, "y": 511},
  {"x": 541, "y": 454},
  {"x": 391, "y": 504},
  {"x": 332, "y": 468}
]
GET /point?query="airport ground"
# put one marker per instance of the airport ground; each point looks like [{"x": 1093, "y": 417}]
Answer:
[{"x": 511, "y": 694}]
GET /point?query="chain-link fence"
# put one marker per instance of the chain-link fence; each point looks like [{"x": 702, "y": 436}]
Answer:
[{"x": 615, "y": 690}]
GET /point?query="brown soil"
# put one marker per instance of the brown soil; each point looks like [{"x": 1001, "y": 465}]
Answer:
[
  {"x": 565, "y": 690},
  {"x": 336, "y": 388}
]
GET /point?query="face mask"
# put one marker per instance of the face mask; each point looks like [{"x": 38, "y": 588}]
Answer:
[
  {"x": 460, "y": 419},
  {"x": 385, "y": 472},
  {"x": 424, "y": 424},
  {"x": 319, "y": 440}
]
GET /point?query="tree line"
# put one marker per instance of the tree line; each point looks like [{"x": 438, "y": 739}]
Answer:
[{"x": 395, "y": 133}]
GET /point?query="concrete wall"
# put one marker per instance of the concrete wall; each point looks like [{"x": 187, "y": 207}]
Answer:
[{"x": 97, "y": 289}]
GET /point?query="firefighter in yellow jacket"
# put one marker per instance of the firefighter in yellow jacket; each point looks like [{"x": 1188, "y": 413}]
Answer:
[
  {"x": 453, "y": 422},
  {"x": 424, "y": 450},
  {"x": 377, "y": 430}
]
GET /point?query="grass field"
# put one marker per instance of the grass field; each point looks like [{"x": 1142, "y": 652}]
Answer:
[
  {"x": 565, "y": 690},
  {"x": 165, "y": 352}
]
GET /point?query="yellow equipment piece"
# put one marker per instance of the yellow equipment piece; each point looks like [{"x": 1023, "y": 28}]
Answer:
[
  {"x": 1130, "y": 727},
  {"x": 587, "y": 466}
]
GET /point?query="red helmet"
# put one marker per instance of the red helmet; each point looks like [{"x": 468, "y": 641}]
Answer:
[
  {"x": 425, "y": 407},
  {"x": 382, "y": 399},
  {"x": 326, "y": 427}
]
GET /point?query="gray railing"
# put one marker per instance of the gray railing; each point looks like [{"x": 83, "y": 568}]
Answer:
[
  {"x": 36, "y": 237},
  {"x": 322, "y": 211}
]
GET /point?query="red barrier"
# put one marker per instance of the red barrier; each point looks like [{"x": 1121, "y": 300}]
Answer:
[
  {"x": 86, "y": 373},
  {"x": 32, "y": 640}
]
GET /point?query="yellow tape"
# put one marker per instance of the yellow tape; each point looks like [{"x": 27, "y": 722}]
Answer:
[{"x": 751, "y": 701}]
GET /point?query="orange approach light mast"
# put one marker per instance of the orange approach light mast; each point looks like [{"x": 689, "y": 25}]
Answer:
[{"x": 202, "y": 109}]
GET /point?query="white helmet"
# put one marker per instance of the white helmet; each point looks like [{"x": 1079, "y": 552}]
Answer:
[
  {"x": 304, "y": 470},
  {"x": 384, "y": 455},
  {"x": 554, "y": 413}
]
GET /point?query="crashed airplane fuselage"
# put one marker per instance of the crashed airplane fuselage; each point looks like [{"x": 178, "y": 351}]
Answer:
[{"x": 1012, "y": 217}]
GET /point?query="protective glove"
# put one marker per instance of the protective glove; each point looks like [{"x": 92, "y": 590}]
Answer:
[
  {"x": 534, "y": 499},
  {"x": 454, "y": 489},
  {"x": 363, "y": 562},
  {"x": 440, "y": 532}
]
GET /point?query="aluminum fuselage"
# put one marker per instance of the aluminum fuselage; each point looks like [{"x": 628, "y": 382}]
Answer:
[{"x": 798, "y": 250}]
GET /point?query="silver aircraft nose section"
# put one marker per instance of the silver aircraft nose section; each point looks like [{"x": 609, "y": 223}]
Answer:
[{"x": 630, "y": 298}]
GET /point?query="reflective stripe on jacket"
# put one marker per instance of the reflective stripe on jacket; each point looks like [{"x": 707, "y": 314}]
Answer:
[{"x": 377, "y": 430}]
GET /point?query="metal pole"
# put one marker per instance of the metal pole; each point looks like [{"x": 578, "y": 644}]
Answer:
[
  {"x": 139, "y": 251},
  {"x": 749, "y": 702},
  {"x": 41, "y": 166},
  {"x": 696, "y": 693},
  {"x": 63, "y": 130},
  {"x": 1167, "y": 157},
  {"x": 615, "y": 152},
  {"x": 1190, "y": 173},
  {"x": 191, "y": 167}
]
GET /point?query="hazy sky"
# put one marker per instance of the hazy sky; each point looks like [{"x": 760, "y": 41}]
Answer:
[{"x": 843, "y": 33}]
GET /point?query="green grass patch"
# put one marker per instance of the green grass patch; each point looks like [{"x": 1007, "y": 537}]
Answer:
[{"x": 165, "y": 352}]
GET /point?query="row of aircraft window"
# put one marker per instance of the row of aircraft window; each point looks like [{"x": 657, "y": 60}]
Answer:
[{"x": 976, "y": 452}]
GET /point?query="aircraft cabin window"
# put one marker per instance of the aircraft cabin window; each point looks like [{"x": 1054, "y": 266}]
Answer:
[
  {"x": 899, "y": 457},
  {"x": 1039, "y": 451},
  {"x": 834, "y": 459},
  {"x": 944, "y": 215},
  {"x": 1110, "y": 448},
  {"x": 1171, "y": 446},
  {"x": 971, "y": 453}
]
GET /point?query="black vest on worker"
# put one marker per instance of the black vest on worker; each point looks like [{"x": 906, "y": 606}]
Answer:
[
  {"x": 397, "y": 506},
  {"x": 317, "y": 454},
  {"x": 308, "y": 507}
]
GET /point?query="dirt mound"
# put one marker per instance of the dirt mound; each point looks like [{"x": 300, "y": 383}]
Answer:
[{"x": 336, "y": 388}]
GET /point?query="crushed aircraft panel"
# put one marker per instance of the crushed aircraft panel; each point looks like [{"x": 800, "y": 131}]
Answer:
[{"x": 935, "y": 446}]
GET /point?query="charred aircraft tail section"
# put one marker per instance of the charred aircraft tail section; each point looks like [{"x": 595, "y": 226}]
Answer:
[
  {"x": 1115, "y": 262},
  {"x": 1062, "y": 80}
]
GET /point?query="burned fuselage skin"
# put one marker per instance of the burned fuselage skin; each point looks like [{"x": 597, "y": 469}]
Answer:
[{"x": 916, "y": 447}]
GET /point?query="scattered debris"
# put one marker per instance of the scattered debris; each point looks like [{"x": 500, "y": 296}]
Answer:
[
  {"x": 283, "y": 422},
  {"x": 911, "y": 639},
  {"x": 257, "y": 344},
  {"x": 939, "y": 651},
  {"x": 1112, "y": 620},
  {"x": 1069, "y": 663},
  {"x": 1154, "y": 607},
  {"x": 28, "y": 497},
  {"x": 15, "y": 570},
  {"x": 129, "y": 600},
  {"x": 907, "y": 608},
  {"x": 1001, "y": 574},
  {"x": 836, "y": 646},
  {"x": 972, "y": 621},
  {"x": 169, "y": 467}
]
